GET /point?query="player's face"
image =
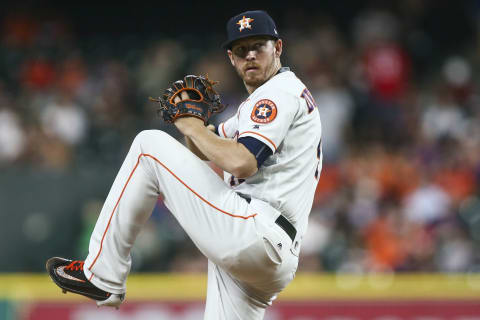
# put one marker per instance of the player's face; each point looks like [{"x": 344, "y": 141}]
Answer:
[{"x": 256, "y": 59}]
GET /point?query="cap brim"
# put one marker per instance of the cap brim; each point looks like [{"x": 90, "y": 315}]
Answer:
[{"x": 228, "y": 44}]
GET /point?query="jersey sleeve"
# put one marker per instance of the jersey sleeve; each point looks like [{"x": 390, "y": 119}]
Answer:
[
  {"x": 268, "y": 119},
  {"x": 228, "y": 129},
  {"x": 257, "y": 148}
]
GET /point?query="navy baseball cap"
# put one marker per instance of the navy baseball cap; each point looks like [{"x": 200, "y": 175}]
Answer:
[{"x": 250, "y": 23}]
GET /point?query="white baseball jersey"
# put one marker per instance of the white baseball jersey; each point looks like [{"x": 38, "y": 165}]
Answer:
[{"x": 282, "y": 114}]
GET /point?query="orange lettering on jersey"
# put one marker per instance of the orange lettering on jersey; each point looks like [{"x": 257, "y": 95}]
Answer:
[{"x": 264, "y": 111}]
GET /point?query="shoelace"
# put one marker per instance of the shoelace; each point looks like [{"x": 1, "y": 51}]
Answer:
[{"x": 75, "y": 265}]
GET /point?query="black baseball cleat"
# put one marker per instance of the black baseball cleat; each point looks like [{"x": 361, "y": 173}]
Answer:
[{"x": 69, "y": 276}]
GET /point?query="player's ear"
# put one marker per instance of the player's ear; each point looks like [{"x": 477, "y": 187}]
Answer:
[
  {"x": 230, "y": 55},
  {"x": 278, "y": 46}
]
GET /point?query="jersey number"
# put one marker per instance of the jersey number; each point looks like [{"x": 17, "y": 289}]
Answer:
[
  {"x": 309, "y": 100},
  {"x": 319, "y": 158}
]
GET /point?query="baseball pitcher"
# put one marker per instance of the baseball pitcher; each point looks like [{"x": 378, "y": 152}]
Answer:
[{"x": 250, "y": 225}]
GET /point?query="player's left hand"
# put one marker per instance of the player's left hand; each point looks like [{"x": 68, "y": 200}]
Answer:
[{"x": 193, "y": 96}]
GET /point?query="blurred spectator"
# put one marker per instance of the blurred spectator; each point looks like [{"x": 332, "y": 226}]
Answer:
[
  {"x": 47, "y": 151},
  {"x": 72, "y": 75},
  {"x": 38, "y": 73},
  {"x": 443, "y": 117},
  {"x": 428, "y": 204},
  {"x": 315, "y": 241},
  {"x": 455, "y": 251},
  {"x": 364, "y": 206},
  {"x": 386, "y": 63},
  {"x": 12, "y": 136},
  {"x": 335, "y": 105},
  {"x": 161, "y": 63},
  {"x": 65, "y": 120},
  {"x": 385, "y": 240}
]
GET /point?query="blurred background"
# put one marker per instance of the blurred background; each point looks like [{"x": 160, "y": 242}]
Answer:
[{"x": 397, "y": 86}]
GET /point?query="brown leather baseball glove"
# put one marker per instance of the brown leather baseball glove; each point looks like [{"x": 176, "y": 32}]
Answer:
[{"x": 202, "y": 102}]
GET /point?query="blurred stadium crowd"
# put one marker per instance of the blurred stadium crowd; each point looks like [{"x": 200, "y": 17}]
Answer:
[{"x": 400, "y": 187}]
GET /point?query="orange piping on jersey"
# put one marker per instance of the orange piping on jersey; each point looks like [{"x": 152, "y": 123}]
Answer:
[
  {"x": 223, "y": 129},
  {"x": 273, "y": 144},
  {"x": 114, "y": 208},
  {"x": 201, "y": 198},
  {"x": 125, "y": 186}
]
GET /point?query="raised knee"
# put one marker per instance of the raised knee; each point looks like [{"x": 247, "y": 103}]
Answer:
[{"x": 148, "y": 136}]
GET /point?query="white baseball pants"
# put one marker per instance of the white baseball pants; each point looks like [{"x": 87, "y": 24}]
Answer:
[{"x": 251, "y": 259}]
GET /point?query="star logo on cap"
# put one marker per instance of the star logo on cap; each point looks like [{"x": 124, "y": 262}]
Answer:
[{"x": 244, "y": 23}]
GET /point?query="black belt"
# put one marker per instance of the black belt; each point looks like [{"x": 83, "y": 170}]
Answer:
[
  {"x": 286, "y": 226},
  {"x": 281, "y": 221}
]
